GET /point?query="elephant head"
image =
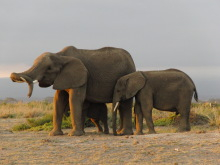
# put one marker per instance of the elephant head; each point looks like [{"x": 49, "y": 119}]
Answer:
[
  {"x": 126, "y": 88},
  {"x": 53, "y": 69}
]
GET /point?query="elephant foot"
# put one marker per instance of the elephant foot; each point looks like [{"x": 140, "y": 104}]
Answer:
[
  {"x": 100, "y": 130},
  {"x": 106, "y": 132},
  {"x": 55, "y": 133},
  {"x": 125, "y": 132},
  {"x": 138, "y": 133},
  {"x": 152, "y": 132},
  {"x": 183, "y": 129},
  {"x": 119, "y": 130},
  {"x": 76, "y": 133}
]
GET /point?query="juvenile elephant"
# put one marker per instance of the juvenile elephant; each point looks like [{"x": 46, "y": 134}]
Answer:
[
  {"x": 79, "y": 76},
  {"x": 166, "y": 90},
  {"x": 96, "y": 112}
]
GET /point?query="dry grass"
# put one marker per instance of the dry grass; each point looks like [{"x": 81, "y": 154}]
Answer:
[
  {"x": 200, "y": 115},
  {"x": 25, "y": 110}
]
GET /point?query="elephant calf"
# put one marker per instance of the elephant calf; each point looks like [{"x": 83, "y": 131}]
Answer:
[
  {"x": 96, "y": 112},
  {"x": 166, "y": 90}
]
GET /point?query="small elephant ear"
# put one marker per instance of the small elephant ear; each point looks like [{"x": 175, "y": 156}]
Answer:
[
  {"x": 72, "y": 75},
  {"x": 135, "y": 82}
]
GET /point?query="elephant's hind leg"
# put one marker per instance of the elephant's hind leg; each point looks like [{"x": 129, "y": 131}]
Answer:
[
  {"x": 138, "y": 119},
  {"x": 184, "y": 119},
  {"x": 147, "y": 112}
]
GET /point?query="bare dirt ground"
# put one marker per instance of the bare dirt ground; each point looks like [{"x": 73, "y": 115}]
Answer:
[{"x": 93, "y": 148}]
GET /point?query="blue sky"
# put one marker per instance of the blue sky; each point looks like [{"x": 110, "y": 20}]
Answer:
[{"x": 183, "y": 34}]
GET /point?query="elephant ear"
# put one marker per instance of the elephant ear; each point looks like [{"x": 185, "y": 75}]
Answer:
[
  {"x": 72, "y": 75},
  {"x": 135, "y": 82}
]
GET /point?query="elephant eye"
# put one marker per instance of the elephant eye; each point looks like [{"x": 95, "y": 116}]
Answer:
[{"x": 49, "y": 68}]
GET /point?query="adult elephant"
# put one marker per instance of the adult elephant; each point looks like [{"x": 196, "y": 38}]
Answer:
[{"x": 80, "y": 76}]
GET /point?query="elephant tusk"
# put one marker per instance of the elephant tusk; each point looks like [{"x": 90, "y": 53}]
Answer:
[
  {"x": 30, "y": 84},
  {"x": 116, "y": 106},
  {"x": 35, "y": 81},
  {"x": 19, "y": 81},
  {"x": 23, "y": 79}
]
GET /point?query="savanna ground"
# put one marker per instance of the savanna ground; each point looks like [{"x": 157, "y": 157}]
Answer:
[{"x": 199, "y": 146}]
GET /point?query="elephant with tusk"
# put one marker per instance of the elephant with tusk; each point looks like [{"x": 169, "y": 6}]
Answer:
[
  {"x": 79, "y": 76},
  {"x": 166, "y": 90},
  {"x": 23, "y": 78}
]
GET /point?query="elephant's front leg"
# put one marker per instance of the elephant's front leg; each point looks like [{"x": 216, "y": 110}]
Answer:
[
  {"x": 126, "y": 111},
  {"x": 76, "y": 100},
  {"x": 121, "y": 122},
  {"x": 60, "y": 102},
  {"x": 96, "y": 122}
]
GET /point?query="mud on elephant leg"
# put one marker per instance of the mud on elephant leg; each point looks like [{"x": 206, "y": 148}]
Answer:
[
  {"x": 98, "y": 112},
  {"x": 96, "y": 122},
  {"x": 138, "y": 119},
  {"x": 126, "y": 110},
  {"x": 121, "y": 122}
]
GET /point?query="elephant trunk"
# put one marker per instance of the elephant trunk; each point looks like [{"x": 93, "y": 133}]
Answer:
[
  {"x": 20, "y": 77},
  {"x": 114, "y": 116}
]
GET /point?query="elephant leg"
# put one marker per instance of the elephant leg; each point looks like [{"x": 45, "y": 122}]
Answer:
[
  {"x": 84, "y": 114},
  {"x": 60, "y": 103},
  {"x": 138, "y": 119},
  {"x": 96, "y": 122},
  {"x": 106, "y": 129},
  {"x": 104, "y": 119},
  {"x": 76, "y": 101},
  {"x": 121, "y": 121},
  {"x": 147, "y": 108},
  {"x": 126, "y": 111},
  {"x": 184, "y": 119}
]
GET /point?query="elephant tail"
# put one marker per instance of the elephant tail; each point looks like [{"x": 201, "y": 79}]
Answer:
[{"x": 196, "y": 95}]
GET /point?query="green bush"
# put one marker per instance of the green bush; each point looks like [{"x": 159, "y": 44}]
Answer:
[
  {"x": 44, "y": 127},
  {"x": 40, "y": 121},
  {"x": 21, "y": 127},
  {"x": 164, "y": 122},
  {"x": 44, "y": 123},
  {"x": 66, "y": 123},
  {"x": 40, "y": 124}
]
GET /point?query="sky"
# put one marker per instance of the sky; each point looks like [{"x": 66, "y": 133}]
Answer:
[{"x": 159, "y": 34}]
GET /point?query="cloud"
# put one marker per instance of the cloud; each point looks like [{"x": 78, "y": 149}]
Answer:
[{"x": 194, "y": 71}]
